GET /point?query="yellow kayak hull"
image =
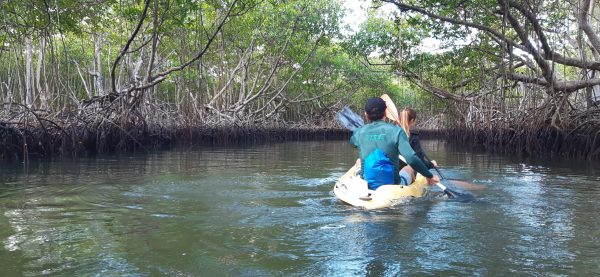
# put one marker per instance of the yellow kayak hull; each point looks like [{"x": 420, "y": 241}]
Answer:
[{"x": 351, "y": 187}]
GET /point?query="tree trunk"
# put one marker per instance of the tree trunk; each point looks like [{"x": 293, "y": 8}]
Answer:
[
  {"x": 28, "y": 68},
  {"x": 587, "y": 9},
  {"x": 41, "y": 61},
  {"x": 595, "y": 95},
  {"x": 98, "y": 65}
]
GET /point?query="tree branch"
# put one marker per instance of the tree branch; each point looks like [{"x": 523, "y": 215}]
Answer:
[
  {"x": 547, "y": 70},
  {"x": 586, "y": 26},
  {"x": 427, "y": 86},
  {"x": 163, "y": 75},
  {"x": 154, "y": 41},
  {"x": 552, "y": 55},
  {"x": 127, "y": 45}
]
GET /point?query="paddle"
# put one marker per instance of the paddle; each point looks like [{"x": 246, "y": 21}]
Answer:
[
  {"x": 391, "y": 111},
  {"x": 351, "y": 121}
]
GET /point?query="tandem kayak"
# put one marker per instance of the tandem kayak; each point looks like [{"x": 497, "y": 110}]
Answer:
[{"x": 352, "y": 189}]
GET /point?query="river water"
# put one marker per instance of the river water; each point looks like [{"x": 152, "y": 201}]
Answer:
[{"x": 268, "y": 210}]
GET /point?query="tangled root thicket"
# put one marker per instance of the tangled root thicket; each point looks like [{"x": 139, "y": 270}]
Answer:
[
  {"x": 25, "y": 132},
  {"x": 578, "y": 136}
]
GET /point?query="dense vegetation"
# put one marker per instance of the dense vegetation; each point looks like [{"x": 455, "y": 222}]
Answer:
[
  {"x": 103, "y": 75},
  {"x": 519, "y": 74},
  {"x": 106, "y": 75}
]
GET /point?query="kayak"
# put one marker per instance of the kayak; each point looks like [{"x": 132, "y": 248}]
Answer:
[{"x": 353, "y": 190}]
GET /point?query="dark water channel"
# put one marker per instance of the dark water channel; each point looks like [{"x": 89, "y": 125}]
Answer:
[{"x": 268, "y": 210}]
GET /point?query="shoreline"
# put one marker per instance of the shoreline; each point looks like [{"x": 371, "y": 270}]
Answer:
[
  {"x": 540, "y": 142},
  {"x": 20, "y": 144},
  {"x": 21, "y": 141}
]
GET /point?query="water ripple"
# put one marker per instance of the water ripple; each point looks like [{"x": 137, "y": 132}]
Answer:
[{"x": 268, "y": 210}]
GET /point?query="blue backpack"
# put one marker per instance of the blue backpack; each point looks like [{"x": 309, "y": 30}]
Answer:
[{"x": 378, "y": 170}]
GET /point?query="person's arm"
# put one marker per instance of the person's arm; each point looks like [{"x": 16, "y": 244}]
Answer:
[
  {"x": 359, "y": 164},
  {"x": 411, "y": 157},
  {"x": 415, "y": 143}
]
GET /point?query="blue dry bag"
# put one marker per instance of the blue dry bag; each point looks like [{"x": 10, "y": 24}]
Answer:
[{"x": 378, "y": 169}]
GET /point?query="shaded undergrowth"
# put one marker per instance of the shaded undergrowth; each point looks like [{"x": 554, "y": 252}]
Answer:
[
  {"x": 88, "y": 131},
  {"x": 542, "y": 141},
  {"x": 25, "y": 133},
  {"x": 581, "y": 143}
]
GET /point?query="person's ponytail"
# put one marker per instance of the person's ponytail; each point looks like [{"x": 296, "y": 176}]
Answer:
[{"x": 406, "y": 116}]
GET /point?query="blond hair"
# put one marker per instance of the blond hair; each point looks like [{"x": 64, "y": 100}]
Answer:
[{"x": 406, "y": 116}]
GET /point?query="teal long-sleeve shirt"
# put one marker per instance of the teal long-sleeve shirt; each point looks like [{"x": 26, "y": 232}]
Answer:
[{"x": 392, "y": 140}]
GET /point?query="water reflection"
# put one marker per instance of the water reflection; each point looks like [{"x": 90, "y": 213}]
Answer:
[{"x": 268, "y": 210}]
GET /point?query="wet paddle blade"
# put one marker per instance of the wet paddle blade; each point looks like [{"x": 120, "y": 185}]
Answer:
[
  {"x": 350, "y": 119},
  {"x": 454, "y": 194}
]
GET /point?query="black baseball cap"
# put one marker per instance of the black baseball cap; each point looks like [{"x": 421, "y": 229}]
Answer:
[{"x": 375, "y": 106}]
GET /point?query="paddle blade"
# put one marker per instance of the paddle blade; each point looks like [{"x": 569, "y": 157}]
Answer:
[
  {"x": 391, "y": 111},
  {"x": 349, "y": 119},
  {"x": 454, "y": 194}
]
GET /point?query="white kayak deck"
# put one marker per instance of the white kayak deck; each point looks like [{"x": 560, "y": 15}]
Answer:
[{"x": 351, "y": 187}]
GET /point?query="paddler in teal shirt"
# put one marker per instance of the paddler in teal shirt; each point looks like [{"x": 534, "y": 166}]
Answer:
[{"x": 379, "y": 144}]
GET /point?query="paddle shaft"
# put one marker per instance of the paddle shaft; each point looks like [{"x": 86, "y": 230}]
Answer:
[
  {"x": 434, "y": 167},
  {"x": 449, "y": 192},
  {"x": 441, "y": 186}
]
